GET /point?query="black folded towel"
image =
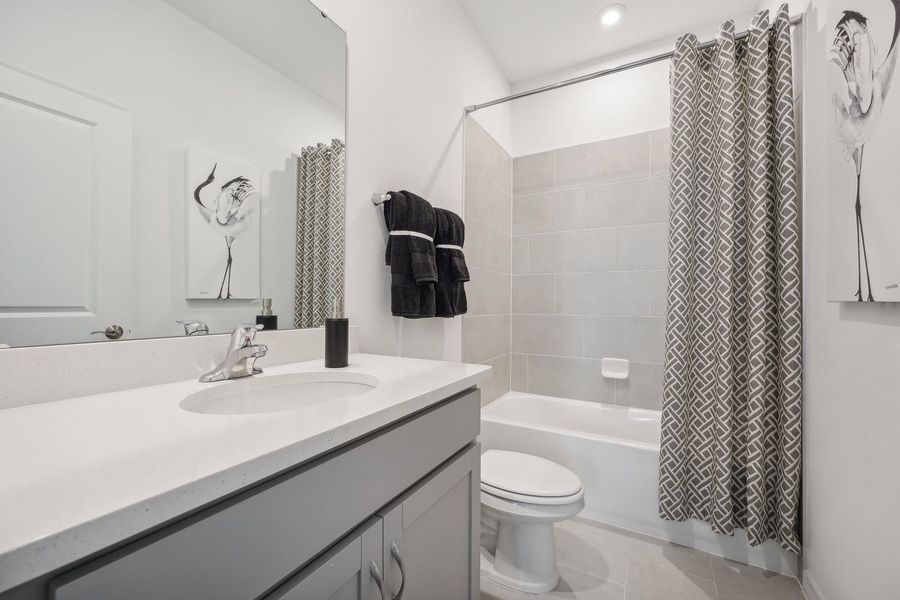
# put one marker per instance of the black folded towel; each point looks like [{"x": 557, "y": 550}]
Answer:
[
  {"x": 449, "y": 237},
  {"x": 410, "y": 253}
]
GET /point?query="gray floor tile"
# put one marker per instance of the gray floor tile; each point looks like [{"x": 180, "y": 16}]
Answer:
[
  {"x": 600, "y": 562},
  {"x": 650, "y": 551},
  {"x": 598, "y": 551},
  {"x": 657, "y": 582},
  {"x": 736, "y": 581},
  {"x": 621, "y": 546},
  {"x": 576, "y": 585}
]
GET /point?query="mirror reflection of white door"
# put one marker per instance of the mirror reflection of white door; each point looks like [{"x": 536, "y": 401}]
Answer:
[{"x": 65, "y": 198}]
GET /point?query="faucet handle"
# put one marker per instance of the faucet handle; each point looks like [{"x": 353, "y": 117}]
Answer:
[
  {"x": 194, "y": 327},
  {"x": 244, "y": 334}
]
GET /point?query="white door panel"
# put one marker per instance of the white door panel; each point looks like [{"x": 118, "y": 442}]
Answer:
[{"x": 65, "y": 196}]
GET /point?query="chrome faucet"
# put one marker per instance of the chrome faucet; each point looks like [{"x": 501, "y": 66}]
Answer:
[
  {"x": 241, "y": 356},
  {"x": 194, "y": 327}
]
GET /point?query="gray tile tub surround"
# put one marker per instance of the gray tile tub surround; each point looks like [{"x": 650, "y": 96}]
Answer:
[
  {"x": 642, "y": 246},
  {"x": 631, "y": 202},
  {"x": 618, "y": 159},
  {"x": 584, "y": 250},
  {"x": 638, "y": 339},
  {"x": 614, "y": 293},
  {"x": 488, "y": 217},
  {"x": 582, "y": 379},
  {"x": 562, "y": 210},
  {"x": 488, "y": 156},
  {"x": 564, "y": 324},
  {"x": 589, "y": 249}
]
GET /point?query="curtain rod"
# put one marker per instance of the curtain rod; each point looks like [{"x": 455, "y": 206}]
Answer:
[{"x": 796, "y": 20}]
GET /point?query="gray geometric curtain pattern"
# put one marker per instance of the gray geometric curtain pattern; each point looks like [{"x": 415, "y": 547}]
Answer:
[
  {"x": 319, "y": 267},
  {"x": 730, "y": 452}
]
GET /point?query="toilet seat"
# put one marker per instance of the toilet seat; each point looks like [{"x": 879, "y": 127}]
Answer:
[
  {"x": 519, "y": 477},
  {"x": 536, "y": 500}
]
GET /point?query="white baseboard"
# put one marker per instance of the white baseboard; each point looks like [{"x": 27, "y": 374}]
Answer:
[{"x": 809, "y": 587}]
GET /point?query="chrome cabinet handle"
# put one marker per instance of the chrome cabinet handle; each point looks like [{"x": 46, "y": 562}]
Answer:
[
  {"x": 376, "y": 575},
  {"x": 112, "y": 332},
  {"x": 395, "y": 554}
]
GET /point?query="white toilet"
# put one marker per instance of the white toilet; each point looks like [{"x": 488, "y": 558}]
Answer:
[{"x": 522, "y": 496}]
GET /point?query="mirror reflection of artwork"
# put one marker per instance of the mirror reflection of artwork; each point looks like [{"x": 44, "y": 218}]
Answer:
[
  {"x": 223, "y": 228},
  {"x": 864, "y": 209}
]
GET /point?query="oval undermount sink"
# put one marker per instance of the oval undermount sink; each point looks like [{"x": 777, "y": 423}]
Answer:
[{"x": 278, "y": 393}]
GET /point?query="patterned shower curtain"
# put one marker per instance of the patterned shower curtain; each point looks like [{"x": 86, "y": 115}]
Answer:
[
  {"x": 319, "y": 267},
  {"x": 730, "y": 452}
]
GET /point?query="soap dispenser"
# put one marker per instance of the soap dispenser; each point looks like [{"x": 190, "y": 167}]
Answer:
[
  {"x": 266, "y": 318},
  {"x": 337, "y": 333}
]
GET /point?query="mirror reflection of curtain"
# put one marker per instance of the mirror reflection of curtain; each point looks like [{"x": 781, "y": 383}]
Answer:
[{"x": 319, "y": 279}]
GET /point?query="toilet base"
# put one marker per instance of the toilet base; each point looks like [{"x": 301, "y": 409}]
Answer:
[
  {"x": 525, "y": 558},
  {"x": 518, "y": 541}
]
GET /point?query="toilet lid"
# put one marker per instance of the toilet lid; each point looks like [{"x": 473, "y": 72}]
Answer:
[{"x": 527, "y": 475}]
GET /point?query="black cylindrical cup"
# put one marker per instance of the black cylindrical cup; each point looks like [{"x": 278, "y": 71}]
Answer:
[{"x": 337, "y": 342}]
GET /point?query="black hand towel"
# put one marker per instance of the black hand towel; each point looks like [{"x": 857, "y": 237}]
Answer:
[
  {"x": 410, "y": 254},
  {"x": 449, "y": 237}
]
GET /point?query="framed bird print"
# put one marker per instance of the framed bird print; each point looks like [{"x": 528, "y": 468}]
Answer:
[
  {"x": 863, "y": 146},
  {"x": 223, "y": 227}
]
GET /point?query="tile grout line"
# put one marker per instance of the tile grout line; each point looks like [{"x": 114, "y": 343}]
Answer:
[
  {"x": 527, "y": 375},
  {"x": 572, "y": 315},
  {"x": 583, "y": 336},
  {"x": 625, "y": 584},
  {"x": 509, "y": 197},
  {"x": 571, "y": 357},
  {"x": 586, "y": 185},
  {"x": 712, "y": 576},
  {"x": 663, "y": 270},
  {"x": 577, "y": 229}
]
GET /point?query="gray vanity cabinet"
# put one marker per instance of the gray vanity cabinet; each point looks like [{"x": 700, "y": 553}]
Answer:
[
  {"x": 424, "y": 543},
  {"x": 434, "y": 530},
  {"x": 344, "y": 573},
  {"x": 314, "y": 531}
]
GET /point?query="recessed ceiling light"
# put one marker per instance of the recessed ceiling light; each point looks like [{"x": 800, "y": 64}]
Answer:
[{"x": 612, "y": 14}]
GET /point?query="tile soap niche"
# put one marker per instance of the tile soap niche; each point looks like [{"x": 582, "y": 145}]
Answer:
[{"x": 614, "y": 368}]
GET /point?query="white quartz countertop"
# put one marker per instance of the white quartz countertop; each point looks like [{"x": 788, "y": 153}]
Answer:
[{"x": 79, "y": 475}]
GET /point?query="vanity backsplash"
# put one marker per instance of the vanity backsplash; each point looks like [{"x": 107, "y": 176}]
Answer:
[{"x": 48, "y": 373}]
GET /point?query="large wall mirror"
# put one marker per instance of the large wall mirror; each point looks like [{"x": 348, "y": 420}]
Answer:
[{"x": 165, "y": 164}]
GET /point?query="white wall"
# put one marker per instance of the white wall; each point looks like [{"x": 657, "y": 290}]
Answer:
[
  {"x": 184, "y": 86},
  {"x": 851, "y": 481},
  {"x": 614, "y": 106},
  {"x": 413, "y": 66}
]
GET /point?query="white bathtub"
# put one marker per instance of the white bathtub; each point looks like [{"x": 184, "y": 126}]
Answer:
[{"x": 615, "y": 451}]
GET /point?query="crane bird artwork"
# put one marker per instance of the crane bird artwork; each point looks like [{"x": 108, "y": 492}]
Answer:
[
  {"x": 227, "y": 210},
  {"x": 859, "y": 108}
]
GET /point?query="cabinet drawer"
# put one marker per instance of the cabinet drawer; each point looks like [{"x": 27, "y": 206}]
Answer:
[
  {"x": 245, "y": 546},
  {"x": 343, "y": 573}
]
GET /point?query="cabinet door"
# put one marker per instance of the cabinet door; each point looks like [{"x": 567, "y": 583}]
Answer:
[
  {"x": 433, "y": 532},
  {"x": 344, "y": 573}
]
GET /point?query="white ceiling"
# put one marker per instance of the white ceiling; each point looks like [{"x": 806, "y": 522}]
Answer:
[
  {"x": 530, "y": 38},
  {"x": 291, "y": 36}
]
